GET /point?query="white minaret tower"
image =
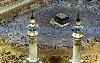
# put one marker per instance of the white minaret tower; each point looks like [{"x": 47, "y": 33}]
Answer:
[
  {"x": 32, "y": 34},
  {"x": 77, "y": 35}
]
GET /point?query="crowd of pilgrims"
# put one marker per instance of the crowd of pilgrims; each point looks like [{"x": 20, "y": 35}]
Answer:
[
  {"x": 13, "y": 27},
  {"x": 87, "y": 58},
  {"x": 10, "y": 57},
  {"x": 17, "y": 27}
]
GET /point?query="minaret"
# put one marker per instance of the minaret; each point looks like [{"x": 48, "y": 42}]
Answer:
[
  {"x": 77, "y": 35},
  {"x": 32, "y": 34}
]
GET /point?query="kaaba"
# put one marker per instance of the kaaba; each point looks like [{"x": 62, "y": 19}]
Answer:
[{"x": 61, "y": 19}]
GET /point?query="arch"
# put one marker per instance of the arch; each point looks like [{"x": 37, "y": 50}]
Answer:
[{"x": 56, "y": 59}]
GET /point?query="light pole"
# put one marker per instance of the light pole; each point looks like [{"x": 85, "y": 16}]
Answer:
[{"x": 77, "y": 35}]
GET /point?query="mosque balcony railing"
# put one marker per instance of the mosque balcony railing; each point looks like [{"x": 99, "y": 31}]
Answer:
[{"x": 13, "y": 5}]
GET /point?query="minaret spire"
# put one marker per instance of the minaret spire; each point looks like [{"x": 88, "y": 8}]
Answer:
[
  {"x": 78, "y": 16},
  {"x": 32, "y": 17},
  {"x": 78, "y": 21}
]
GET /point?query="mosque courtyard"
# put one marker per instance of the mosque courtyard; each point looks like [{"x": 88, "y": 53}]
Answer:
[{"x": 53, "y": 41}]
